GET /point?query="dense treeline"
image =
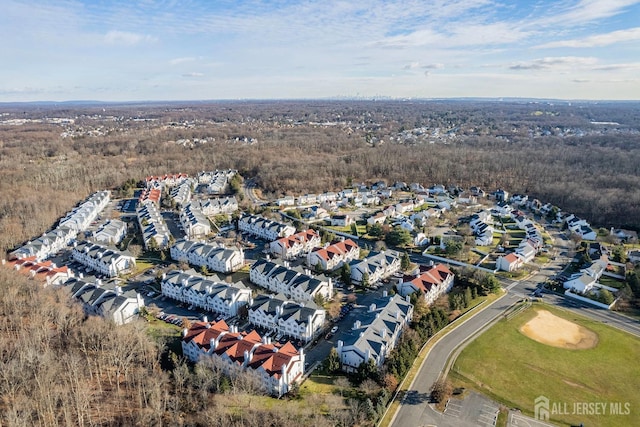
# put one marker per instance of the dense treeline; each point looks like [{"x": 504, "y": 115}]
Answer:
[{"x": 597, "y": 176}]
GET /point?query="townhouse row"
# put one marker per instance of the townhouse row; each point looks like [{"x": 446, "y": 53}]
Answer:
[
  {"x": 294, "y": 283},
  {"x": 213, "y": 256},
  {"x": 277, "y": 366}
]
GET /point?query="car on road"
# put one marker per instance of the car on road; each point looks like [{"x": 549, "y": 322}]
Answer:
[{"x": 334, "y": 330}]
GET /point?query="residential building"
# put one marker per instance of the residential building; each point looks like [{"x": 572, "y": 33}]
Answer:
[
  {"x": 106, "y": 299},
  {"x": 181, "y": 194},
  {"x": 296, "y": 320},
  {"x": 166, "y": 180},
  {"x": 334, "y": 256},
  {"x": 111, "y": 233},
  {"x": 155, "y": 233},
  {"x": 433, "y": 281},
  {"x": 45, "y": 272},
  {"x": 375, "y": 334},
  {"x": 278, "y": 366},
  {"x": 152, "y": 195},
  {"x": 297, "y": 244},
  {"x": 377, "y": 266},
  {"x": 103, "y": 259},
  {"x": 342, "y": 220},
  {"x": 378, "y": 218},
  {"x": 215, "y": 257},
  {"x": 264, "y": 228},
  {"x": 46, "y": 245},
  {"x": 194, "y": 222},
  {"x": 294, "y": 283},
  {"x": 217, "y": 206},
  {"x": 83, "y": 215},
  {"x": 209, "y": 293},
  {"x": 217, "y": 181},
  {"x": 509, "y": 262}
]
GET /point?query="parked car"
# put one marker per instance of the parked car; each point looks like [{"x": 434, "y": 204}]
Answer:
[{"x": 334, "y": 329}]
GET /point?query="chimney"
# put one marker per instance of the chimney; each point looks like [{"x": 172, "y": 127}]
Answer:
[
  {"x": 384, "y": 293},
  {"x": 205, "y": 319},
  {"x": 98, "y": 282},
  {"x": 372, "y": 307},
  {"x": 184, "y": 332},
  {"x": 118, "y": 290},
  {"x": 357, "y": 324},
  {"x": 212, "y": 344}
]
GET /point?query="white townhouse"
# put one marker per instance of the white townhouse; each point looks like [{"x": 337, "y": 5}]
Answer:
[
  {"x": 111, "y": 233},
  {"x": 526, "y": 252},
  {"x": 82, "y": 216},
  {"x": 217, "y": 181},
  {"x": 182, "y": 194},
  {"x": 295, "y": 320},
  {"x": 46, "y": 245},
  {"x": 45, "y": 272},
  {"x": 294, "y": 283},
  {"x": 433, "y": 281},
  {"x": 218, "y": 205},
  {"x": 209, "y": 293},
  {"x": 168, "y": 180},
  {"x": 377, "y": 266},
  {"x": 214, "y": 256},
  {"x": 292, "y": 246},
  {"x": 102, "y": 259},
  {"x": 194, "y": 222},
  {"x": 264, "y": 228},
  {"x": 375, "y": 333},
  {"x": 286, "y": 201},
  {"x": 334, "y": 256},
  {"x": 153, "y": 226},
  {"x": 106, "y": 299},
  {"x": 277, "y": 366}
]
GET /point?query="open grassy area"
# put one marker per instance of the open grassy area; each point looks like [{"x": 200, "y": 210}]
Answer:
[{"x": 514, "y": 369}]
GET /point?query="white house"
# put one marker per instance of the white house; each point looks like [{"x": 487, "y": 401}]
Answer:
[
  {"x": 264, "y": 228},
  {"x": 295, "y": 320},
  {"x": 342, "y": 220},
  {"x": 378, "y": 218},
  {"x": 111, "y": 233},
  {"x": 292, "y": 246},
  {"x": 433, "y": 281},
  {"x": 375, "y": 333},
  {"x": 377, "y": 266},
  {"x": 106, "y": 299},
  {"x": 291, "y": 282},
  {"x": 102, "y": 259},
  {"x": 334, "y": 256},
  {"x": 509, "y": 262},
  {"x": 208, "y": 293},
  {"x": 153, "y": 226},
  {"x": 215, "y": 257},
  {"x": 181, "y": 194},
  {"x": 45, "y": 272},
  {"x": 580, "y": 283},
  {"x": 194, "y": 222},
  {"x": 277, "y": 366}
]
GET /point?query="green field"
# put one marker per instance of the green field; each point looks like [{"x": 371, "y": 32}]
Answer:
[{"x": 513, "y": 369}]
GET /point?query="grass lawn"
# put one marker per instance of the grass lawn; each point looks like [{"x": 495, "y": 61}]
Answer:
[
  {"x": 513, "y": 369},
  {"x": 611, "y": 281}
]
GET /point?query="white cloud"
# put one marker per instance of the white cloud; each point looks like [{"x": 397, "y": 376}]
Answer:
[
  {"x": 597, "y": 40},
  {"x": 193, "y": 74},
  {"x": 555, "y": 63},
  {"x": 127, "y": 38},
  {"x": 177, "y": 61}
]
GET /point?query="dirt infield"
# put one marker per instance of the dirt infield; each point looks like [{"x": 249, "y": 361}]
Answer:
[{"x": 549, "y": 329}]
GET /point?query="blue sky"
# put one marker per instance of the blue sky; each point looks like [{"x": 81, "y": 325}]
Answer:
[{"x": 225, "y": 49}]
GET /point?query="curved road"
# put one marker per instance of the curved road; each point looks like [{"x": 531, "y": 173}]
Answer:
[{"x": 415, "y": 409}]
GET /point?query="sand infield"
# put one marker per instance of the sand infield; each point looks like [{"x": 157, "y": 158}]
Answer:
[{"x": 549, "y": 329}]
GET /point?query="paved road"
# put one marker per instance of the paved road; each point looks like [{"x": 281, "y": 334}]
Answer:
[
  {"x": 415, "y": 409},
  {"x": 249, "y": 190}
]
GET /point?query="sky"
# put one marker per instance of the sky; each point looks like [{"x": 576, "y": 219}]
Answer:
[{"x": 112, "y": 50}]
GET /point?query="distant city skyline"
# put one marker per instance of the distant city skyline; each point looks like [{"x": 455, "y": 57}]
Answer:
[{"x": 118, "y": 51}]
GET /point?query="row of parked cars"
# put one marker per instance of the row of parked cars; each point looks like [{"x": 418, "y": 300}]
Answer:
[{"x": 170, "y": 318}]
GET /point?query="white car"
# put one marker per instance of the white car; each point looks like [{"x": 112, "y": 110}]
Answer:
[{"x": 334, "y": 329}]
